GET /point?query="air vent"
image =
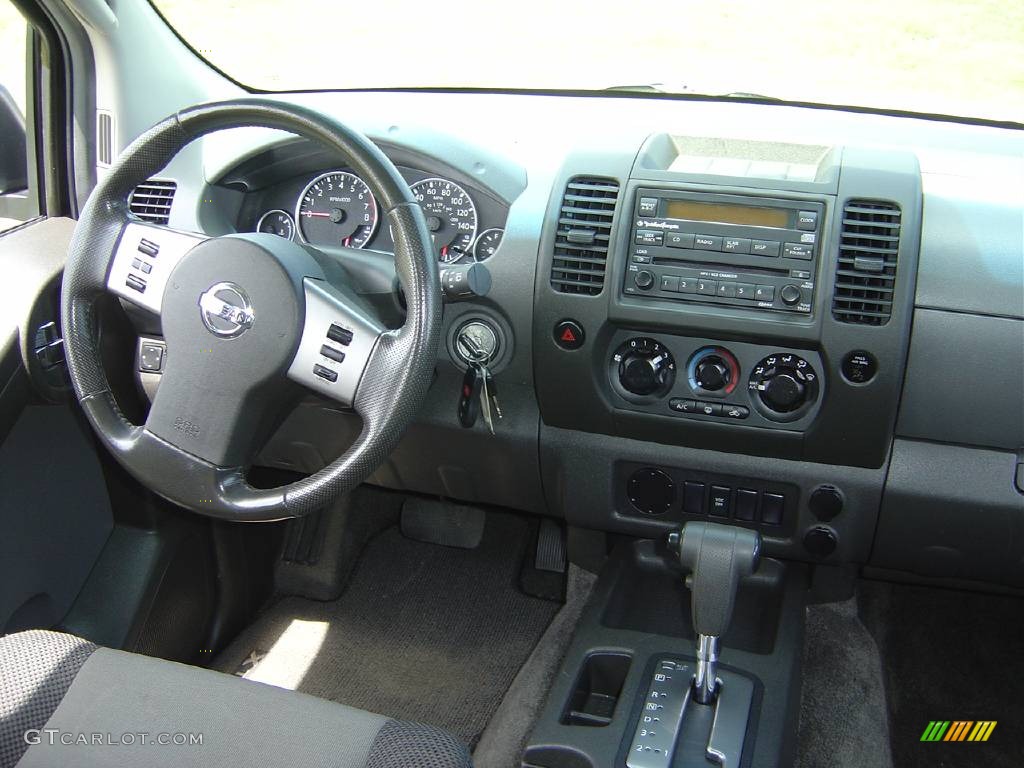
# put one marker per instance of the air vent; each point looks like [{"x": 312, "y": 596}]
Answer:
[
  {"x": 584, "y": 232},
  {"x": 152, "y": 201},
  {"x": 866, "y": 270},
  {"x": 104, "y": 138}
]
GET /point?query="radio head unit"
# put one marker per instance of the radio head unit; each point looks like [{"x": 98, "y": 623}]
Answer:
[{"x": 751, "y": 252}]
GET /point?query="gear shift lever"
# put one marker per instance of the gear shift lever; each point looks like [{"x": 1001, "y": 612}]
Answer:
[{"x": 717, "y": 556}]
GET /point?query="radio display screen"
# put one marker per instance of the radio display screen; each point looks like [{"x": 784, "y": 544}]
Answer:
[{"x": 727, "y": 214}]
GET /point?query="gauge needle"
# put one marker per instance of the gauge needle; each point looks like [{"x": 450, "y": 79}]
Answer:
[
  {"x": 444, "y": 252},
  {"x": 311, "y": 213}
]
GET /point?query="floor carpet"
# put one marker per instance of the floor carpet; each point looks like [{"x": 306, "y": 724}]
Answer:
[
  {"x": 950, "y": 656},
  {"x": 422, "y": 632}
]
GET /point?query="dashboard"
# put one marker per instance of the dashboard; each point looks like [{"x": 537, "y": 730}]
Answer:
[{"x": 806, "y": 322}]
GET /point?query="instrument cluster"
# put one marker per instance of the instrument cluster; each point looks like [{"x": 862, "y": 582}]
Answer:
[{"x": 336, "y": 209}]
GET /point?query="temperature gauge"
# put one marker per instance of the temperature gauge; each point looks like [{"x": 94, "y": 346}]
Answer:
[{"x": 278, "y": 223}]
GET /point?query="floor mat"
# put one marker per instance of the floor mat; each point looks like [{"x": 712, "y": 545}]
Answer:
[
  {"x": 949, "y": 656},
  {"x": 423, "y": 632},
  {"x": 843, "y": 716}
]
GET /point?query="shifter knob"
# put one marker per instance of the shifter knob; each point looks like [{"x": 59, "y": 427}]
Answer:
[{"x": 717, "y": 557}]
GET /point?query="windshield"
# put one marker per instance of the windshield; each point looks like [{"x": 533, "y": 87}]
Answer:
[{"x": 936, "y": 56}]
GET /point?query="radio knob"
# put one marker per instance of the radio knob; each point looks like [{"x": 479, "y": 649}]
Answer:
[
  {"x": 712, "y": 374},
  {"x": 644, "y": 279},
  {"x": 783, "y": 393},
  {"x": 790, "y": 294}
]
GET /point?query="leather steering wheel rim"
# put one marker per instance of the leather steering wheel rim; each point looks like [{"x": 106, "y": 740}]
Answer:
[{"x": 397, "y": 371}]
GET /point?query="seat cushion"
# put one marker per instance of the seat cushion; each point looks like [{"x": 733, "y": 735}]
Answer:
[{"x": 121, "y": 709}]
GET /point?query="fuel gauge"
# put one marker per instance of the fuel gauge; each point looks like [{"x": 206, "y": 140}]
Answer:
[
  {"x": 487, "y": 243},
  {"x": 278, "y": 223}
]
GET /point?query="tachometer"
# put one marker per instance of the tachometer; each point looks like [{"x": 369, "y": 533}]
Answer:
[
  {"x": 451, "y": 217},
  {"x": 337, "y": 208}
]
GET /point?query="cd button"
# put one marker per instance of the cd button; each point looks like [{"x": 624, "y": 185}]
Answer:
[
  {"x": 649, "y": 206},
  {"x": 764, "y": 293},
  {"x": 687, "y": 285},
  {"x": 807, "y": 220},
  {"x": 798, "y": 251},
  {"x": 736, "y": 245},
  {"x": 745, "y": 291},
  {"x": 764, "y": 248},
  {"x": 727, "y": 290},
  {"x": 649, "y": 237},
  {"x": 707, "y": 243},
  {"x": 641, "y": 258},
  {"x": 669, "y": 283},
  {"x": 707, "y": 287},
  {"x": 679, "y": 240}
]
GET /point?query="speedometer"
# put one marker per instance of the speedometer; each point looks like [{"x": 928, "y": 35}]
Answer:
[
  {"x": 451, "y": 217},
  {"x": 336, "y": 208}
]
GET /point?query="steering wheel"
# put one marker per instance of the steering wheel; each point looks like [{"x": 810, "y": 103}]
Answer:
[{"x": 248, "y": 319}]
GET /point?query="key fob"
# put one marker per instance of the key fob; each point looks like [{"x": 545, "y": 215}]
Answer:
[{"x": 469, "y": 403}]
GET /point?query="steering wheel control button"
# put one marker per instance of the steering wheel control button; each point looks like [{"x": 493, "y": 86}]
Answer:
[
  {"x": 333, "y": 354},
  {"x": 859, "y": 367},
  {"x": 643, "y": 367},
  {"x": 826, "y": 502},
  {"x": 773, "y": 505},
  {"x": 149, "y": 248},
  {"x": 651, "y": 491},
  {"x": 325, "y": 373},
  {"x": 821, "y": 541},
  {"x": 135, "y": 283},
  {"x": 341, "y": 335},
  {"x": 151, "y": 358},
  {"x": 719, "y": 501},
  {"x": 569, "y": 335}
]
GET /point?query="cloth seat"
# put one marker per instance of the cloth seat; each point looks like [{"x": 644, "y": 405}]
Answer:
[{"x": 67, "y": 702}]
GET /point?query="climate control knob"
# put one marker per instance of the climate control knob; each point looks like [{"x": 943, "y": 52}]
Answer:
[
  {"x": 784, "y": 385},
  {"x": 644, "y": 367},
  {"x": 713, "y": 371},
  {"x": 712, "y": 374}
]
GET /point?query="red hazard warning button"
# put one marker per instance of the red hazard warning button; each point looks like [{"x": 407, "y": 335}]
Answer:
[{"x": 569, "y": 334}]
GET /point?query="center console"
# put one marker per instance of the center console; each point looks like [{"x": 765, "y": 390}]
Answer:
[{"x": 705, "y": 304}]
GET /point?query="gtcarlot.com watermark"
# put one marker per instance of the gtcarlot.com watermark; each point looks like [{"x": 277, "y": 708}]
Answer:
[{"x": 53, "y": 737}]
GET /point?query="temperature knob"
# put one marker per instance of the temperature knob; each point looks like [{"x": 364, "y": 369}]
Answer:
[
  {"x": 713, "y": 370},
  {"x": 644, "y": 367},
  {"x": 785, "y": 385}
]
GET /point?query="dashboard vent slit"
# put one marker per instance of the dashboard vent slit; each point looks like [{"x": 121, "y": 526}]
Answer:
[
  {"x": 152, "y": 200},
  {"x": 866, "y": 264},
  {"x": 584, "y": 234}
]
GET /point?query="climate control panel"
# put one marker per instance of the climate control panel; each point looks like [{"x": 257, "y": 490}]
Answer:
[{"x": 735, "y": 382}]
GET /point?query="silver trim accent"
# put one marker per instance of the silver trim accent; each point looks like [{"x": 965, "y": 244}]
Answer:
[
  {"x": 705, "y": 681},
  {"x": 173, "y": 246},
  {"x": 237, "y": 317},
  {"x": 729, "y": 728},
  {"x": 325, "y": 306}
]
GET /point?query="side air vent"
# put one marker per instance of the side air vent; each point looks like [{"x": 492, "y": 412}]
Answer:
[
  {"x": 152, "y": 201},
  {"x": 584, "y": 232},
  {"x": 866, "y": 269},
  {"x": 104, "y": 138}
]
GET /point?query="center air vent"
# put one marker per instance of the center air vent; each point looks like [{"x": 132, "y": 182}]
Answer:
[
  {"x": 152, "y": 201},
  {"x": 584, "y": 232},
  {"x": 866, "y": 269}
]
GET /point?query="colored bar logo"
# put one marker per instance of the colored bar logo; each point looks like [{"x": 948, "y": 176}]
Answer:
[{"x": 958, "y": 730}]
